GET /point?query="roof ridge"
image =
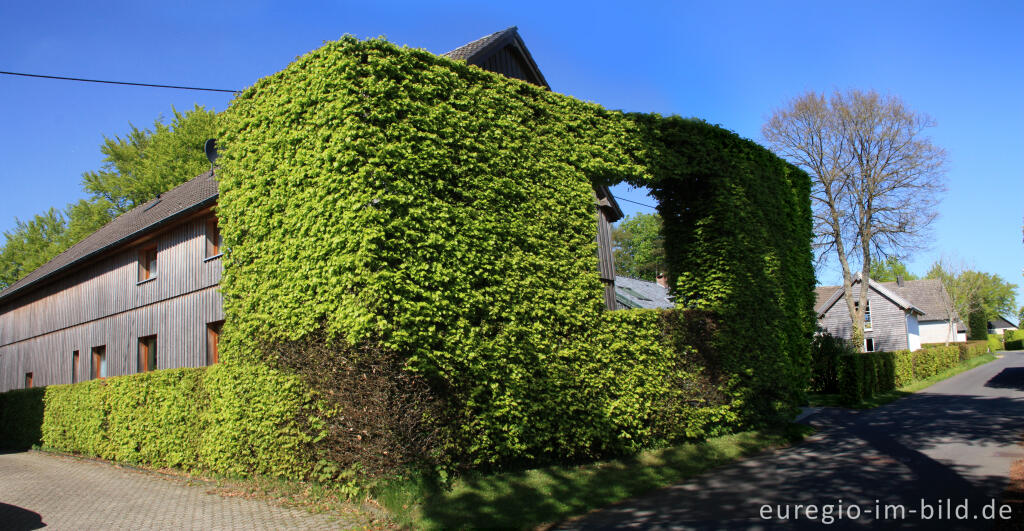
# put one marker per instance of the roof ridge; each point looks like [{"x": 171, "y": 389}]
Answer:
[{"x": 470, "y": 48}]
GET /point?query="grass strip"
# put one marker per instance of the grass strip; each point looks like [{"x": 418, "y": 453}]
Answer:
[{"x": 531, "y": 498}]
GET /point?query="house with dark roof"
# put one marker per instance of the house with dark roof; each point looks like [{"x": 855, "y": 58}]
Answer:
[
  {"x": 141, "y": 292},
  {"x": 1000, "y": 325},
  {"x": 901, "y": 315}
]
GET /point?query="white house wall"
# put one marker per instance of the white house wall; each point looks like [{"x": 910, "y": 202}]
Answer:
[
  {"x": 913, "y": 332},
  {"x": 939, "y": 332}
]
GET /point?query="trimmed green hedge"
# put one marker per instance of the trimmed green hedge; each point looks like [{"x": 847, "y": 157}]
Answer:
[
  {"x": 1014, "y": 339},
  {"x": 405, "y": 203},
  {"x": 399, "y": 200},
  {"x": 238, "y": 421},
  {"x": 21, "y": 418},
  {"x": 863, "y": 375},
  {"x": 995, "y": 342}
]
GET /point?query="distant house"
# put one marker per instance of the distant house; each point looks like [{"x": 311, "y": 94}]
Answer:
[
  {"x": 999, "y": 325},
  {"x": 900, "y": 315},
  {"x": 635, "y": 293}
]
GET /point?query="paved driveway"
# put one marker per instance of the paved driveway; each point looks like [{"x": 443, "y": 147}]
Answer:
[
  {"x": 53, "y": 492},
  {"x": 955, "y": 442}
]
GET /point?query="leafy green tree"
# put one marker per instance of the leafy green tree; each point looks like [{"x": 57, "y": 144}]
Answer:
[
  {"x": 889, "y": 269},
  {"x": 31, "y": 244},
  {"x": 147, "y": 162},
  {"x": 977, "y": 296},
  {"x": 1020, "y": 317},
  {"x": 639, "y": 247},
  {"x": 135, "y": 169}
]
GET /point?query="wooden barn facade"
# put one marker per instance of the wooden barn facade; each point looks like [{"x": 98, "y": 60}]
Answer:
[{"x": 141, "y": 293}]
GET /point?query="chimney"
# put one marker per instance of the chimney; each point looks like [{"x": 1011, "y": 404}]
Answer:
[
  {"x": 663, "y": 280},
  {"x": 899, "y": 280}
]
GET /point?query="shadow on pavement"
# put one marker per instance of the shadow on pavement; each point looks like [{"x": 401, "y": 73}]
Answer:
[
  {"x": 14, "y": 518},
  {"x": 917, "y": 450},
  {"x": 1009, "y": 378}
]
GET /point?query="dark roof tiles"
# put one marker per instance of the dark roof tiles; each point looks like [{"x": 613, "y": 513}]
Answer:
[{"x": 467, "y": 51}]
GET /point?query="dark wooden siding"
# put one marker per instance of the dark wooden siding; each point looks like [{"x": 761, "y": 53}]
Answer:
[
  {"x": 606, "y": 258},
  {"x": 104, "y": 304},
  {"x": 508, "y": 62}
]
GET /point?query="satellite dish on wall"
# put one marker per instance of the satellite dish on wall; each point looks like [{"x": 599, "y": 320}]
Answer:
[{"x": 211, "y": 150}]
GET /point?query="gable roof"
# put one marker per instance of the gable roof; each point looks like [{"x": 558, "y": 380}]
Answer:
[
  {"x": 1000, "y": 322},
  {"x": 635, "y": 293},
  {"x": 481, "y": 51},
  {"x": 192, "y": 196},
  {"x": 837, "y": 293},
  {"x": 928, "y": 294}
]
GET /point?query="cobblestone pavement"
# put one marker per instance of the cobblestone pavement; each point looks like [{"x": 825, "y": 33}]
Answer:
[{"x": 54, "y": 492}]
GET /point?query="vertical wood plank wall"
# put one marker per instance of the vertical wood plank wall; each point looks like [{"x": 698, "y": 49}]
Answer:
[
  {"x": 606, "y": 257},
  {"x": 888, "y": 322},
  {"x": 104, "y": 304}
]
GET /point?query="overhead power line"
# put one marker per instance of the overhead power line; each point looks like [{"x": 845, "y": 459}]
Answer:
[
  {"x": 115, "y": 82},
  {"x": 635, "y": 202}
]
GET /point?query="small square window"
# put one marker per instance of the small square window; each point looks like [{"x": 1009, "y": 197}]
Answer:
[
  {"x": 99, "y": 362},
  {"x": 147, "y": 354},
  {"x": 869, "y": 345},
  {"x": 147, "y": 263}
]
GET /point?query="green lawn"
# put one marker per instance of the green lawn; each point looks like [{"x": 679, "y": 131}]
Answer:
[
  {"x": 527, "y": 499},
  {"x": 832, "y": 400}
]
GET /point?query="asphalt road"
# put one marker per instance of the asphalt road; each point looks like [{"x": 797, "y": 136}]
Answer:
[{"x": 947, "y": 446}]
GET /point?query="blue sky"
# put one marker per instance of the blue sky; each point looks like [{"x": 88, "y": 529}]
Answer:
[{"x": 730, "y": 63}]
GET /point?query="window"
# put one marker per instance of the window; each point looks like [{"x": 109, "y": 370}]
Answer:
[
  {"x": 28, "y": 380},
  {"x": 147, "y": 263},
  {"x": 147, "y": 353},
  {"x": 867, "y": 315},
  {"x": 213, "y": 241},
  {"x": 869, "y": 345},
  {"x": 213, "y": 341},
  {"x": 99, "y": 362},
  {"x": 74, "y": 367}
]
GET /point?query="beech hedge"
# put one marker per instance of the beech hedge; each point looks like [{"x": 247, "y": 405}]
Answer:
[
  {"x": 21, "y": 418},
  {"x": 184, "y": 418},
  {"x": 396, "y": 200},
  {"x": 392, "y": 201},
  {"x": 862, "y": 375},
  {"x": 1013, "y": 339}
]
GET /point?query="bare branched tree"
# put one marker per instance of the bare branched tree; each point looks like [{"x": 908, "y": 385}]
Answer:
[{"x": 877, "y": 178}]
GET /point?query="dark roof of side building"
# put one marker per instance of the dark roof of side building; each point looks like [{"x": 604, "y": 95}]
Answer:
[
  {"x": 1000, "y": 322},
  {"x": 173, "y": 204},
  {"x": 636, "y": 293}
]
